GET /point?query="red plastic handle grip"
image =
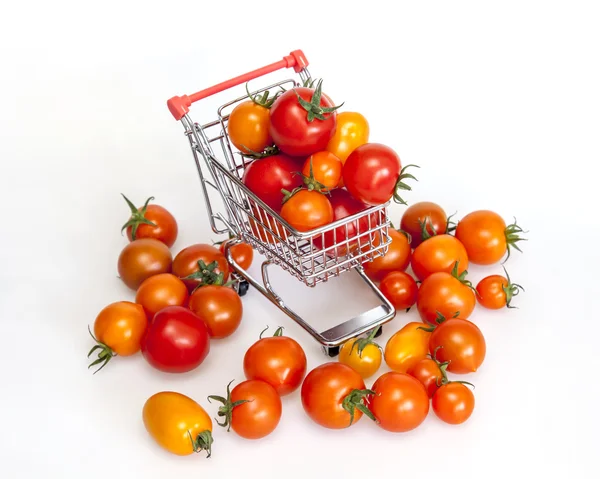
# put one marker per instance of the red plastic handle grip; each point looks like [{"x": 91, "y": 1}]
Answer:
[{"x": 180, "y": 105}]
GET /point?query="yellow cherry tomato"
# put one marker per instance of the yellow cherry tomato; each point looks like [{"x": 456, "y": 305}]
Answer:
[
  {"x": 352, "y": 130},
  {"x": 178, "y": 423},
  {"x": 362, "y": 354},
  {"x": 407, "y": 346}
]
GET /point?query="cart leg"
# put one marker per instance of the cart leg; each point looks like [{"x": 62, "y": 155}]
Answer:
[
  {"x": 332, "y": 352},
  {"x": 243, "y": 287}
]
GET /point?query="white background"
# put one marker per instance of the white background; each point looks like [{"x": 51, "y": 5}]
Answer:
[{"x": 496, "y": 101}]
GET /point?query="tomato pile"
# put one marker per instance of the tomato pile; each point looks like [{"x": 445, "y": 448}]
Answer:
[{"x": 312, "y": 165}]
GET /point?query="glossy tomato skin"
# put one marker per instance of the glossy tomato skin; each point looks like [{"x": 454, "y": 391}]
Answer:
[
  {"x": 352, "y": 131},
  {"x": 460, "y": 343},
  {"x": 483, "y": 235},
  {"x": 443, "y": 293},
  {"x": 365, "y": 363},
  {"x": 277, "y": 360},
  {"x": 248, "y": 127},
  {"x": 400, "y": 402},
  {"x": 431, "y": 214},
  {"x": 165, "y": 229},
  {"x": 439, "y": 253},
  {"x": 491, "y": 292},
  {"x": 186, "y": 263},
  {"x": 141, "y": 259},
  {"x": 400, "y": 288},
  {"x": 290, "y": 129},
  {"x": 326, "y": 168},
  {"x": 407, "y": 346},
  {"x": 220, "y": 307},
  {"x": 323, "y": 392},
  {"x": 371, "y": 172},
  {"x": 266, "y": 177},
  {"x": 159, "y": 291},
  {"x": 307, "y": 210},
  {"x": 428, "y": 373},
  {"x": 397, "y": 257},
  {"x": 121, "y": 326},
  {"x": 260, "y": 415},
  {"x": 453, "y": 403},
  {"x": 243, "y": 253},
  {"x": 171, "y": 418},
  {"x": 176, "y": 341}
]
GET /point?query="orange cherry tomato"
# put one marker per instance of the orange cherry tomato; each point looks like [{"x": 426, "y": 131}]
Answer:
[
  {"x": 496, "y": 291},
  {"x": 397, "y": 257},
  {"x": 159, "y": 291},
  {"x": 242, "y": 253},
  {"x": 453, "y": 403},
  {"x": 407, "y": 346},
  {"x": 352, "y": 130},
  {"x": 306, "y": 210},
  {"x": 428, "y": 372},
  {"x": 248, "y": 127},
  {"x": 118, "y": 330},
  {"x": 219, "y": 307},
  {"x": 444, "y": 294},
  {"x": 423, "y": 217},
  {"x": 439, "y": 253},
  {"x": 326, "y": 168},
  {"x": 460, "y": 343},
  {"x": 486, "y": 237},
  {"x": 400, "y": 288},
  {"x": 141, "y": 259}
]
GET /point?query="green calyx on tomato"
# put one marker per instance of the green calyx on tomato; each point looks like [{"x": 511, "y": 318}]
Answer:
[
  {"x": 313, "y": 107},
  {"x": 227, "y": 408},
  {"x": 355, "y": 400},
  {"x": 311, "y": 183},
  {"x": 425, "y": 231},
  {"x": 512, "y": 232},
  {"x": 443, "y": 366},
  {"x": 265, "y": 101},
  {"x": 511, "y": 289},
  {"x": 278, "y": 332},
  {"x": 137, "y": 217},
  {"x": 362, "y": 343},
  {"x": 400, "y": 185},
  {"x": 439, "y": 319},
  {"x": 462, "y": 277},
  {"x": 105, "y": 353},
  {"x": 203, "y": 442},
  {"x": 207, "y": 276}
]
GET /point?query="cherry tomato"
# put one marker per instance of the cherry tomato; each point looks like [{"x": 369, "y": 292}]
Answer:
[
  {"x": 186, "y": 263},
  {"x": 352, "y": 130},
  {"x": 301, "y": 127},
  {"x": 373, "y": 173},
  {"x": 486, "y": 237},
  {"x": 306, "y": 210},
  {"x": 177, "y": 423},
  {"x": 176, "y": 341},
  {"x": 330, "y": 394},
  {"x": 429, "y": 374},
  {"x": 445, "y": 294},
  {"x": 362, "y": 354},
  {"x": 141, "y": 259},
  {"x": 242, "y": 252},
  {"x": 407, "y": 346},
  {"x": 400, "y": 289},
  {"x": 400, "y": 402},
  {"x": 326, "y": 169},
  {"x": 253, "y": 409},
  {"x": 248, "y": 127},
  {"x": 151, "y": 221},
  {"x": 219, "y": 307},
  {"x": 439, "y": 253},
  {"x": 496, "y": 291},
  {"x": 118, "y": 330},
  {"x": 159, "y": 291},
  {"x": 266, "y": 177},
  {"x": 277, "y": 360},
  {"x": 397, "y": 257},
  {"x": 461, "y": 344},
  {"x": 453, "y": 403},
  {"x": 423, "y": 220}
]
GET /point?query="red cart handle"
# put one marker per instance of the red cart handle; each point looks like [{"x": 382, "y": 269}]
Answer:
[{"x": 180, "y": 105}]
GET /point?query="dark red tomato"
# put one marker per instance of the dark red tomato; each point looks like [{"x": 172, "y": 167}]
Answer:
[
  {"x": 266, "y": 177},
  {"x": 151, "y": 221},
  {"x": 176, "y": 340},
  {"x": 423, "y": 216},
  {"x": 186, "y": 263},
  {"x": 372, "y": 174},
  {"x": 301, "y": 128},
  {"x": 344, "y": 205},
  {"x": 396, "y": 258},
  {"x": 400, "y": 289},
  {"x": 141, "y": 259}
]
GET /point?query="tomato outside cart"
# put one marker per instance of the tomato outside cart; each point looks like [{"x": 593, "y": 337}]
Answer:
[{"x": 312, "y": 256}]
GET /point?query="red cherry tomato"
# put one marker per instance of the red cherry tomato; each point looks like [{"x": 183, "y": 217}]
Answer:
[
  {"x": 151, "y": 221},
  {"x": 453, "y": 403},
  {"x": 186, "y": 263},
  {"x": 446, "y": 295},
  {"x": 496, "y": 291},
  {"x": 400, "y": 289},
  {"x": 176, "y": 340},
  {"x": 242, "y": 253},
  {"x": 460, "y": 343},
  {"x": 428, "y": 372},
  {"x": 423, "y": 217}
]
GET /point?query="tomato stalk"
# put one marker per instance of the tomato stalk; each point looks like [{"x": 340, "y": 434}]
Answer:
[
  {"x": 462, "y": 277},
  {"x": 511, "y": 289},
  {"x": 311, "y": 183},
  {"x": 313, "y": 107},
  {"x": 207, "y": 276},
  {"x": 400, "y": 185},
  {"x": 105, "y": 353},
  {"x": 425, "y": 232},
  {"x": 362, "y": 343},
  {"x": 203, "y": 442},
  {"x": 137, "y": 217},
  {"x": 512, "y": 238},
  {"x": 355, "y": 400},
  {"x": 227, "y": 408},
  {"x": 278, "y": 332},
  {"x": 439, "y": 319},
  {"x": 265, "y": 101}
]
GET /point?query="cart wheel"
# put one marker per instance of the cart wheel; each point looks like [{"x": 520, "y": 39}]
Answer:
[
  {"x": 379, "y": 332},
  {"x": 332, "y": 352},
  {"x": 243, "y": 287}
]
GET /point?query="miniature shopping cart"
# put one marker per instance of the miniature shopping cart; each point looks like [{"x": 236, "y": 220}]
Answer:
[{"x": 247, "y": 218}]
